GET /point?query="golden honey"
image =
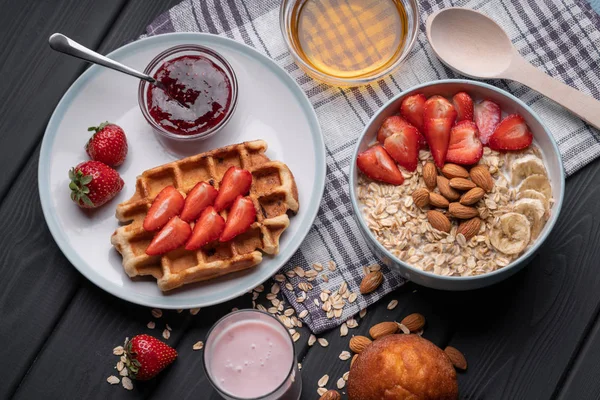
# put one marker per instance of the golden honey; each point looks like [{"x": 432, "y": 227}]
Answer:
[{"x": 349, "y": 38}]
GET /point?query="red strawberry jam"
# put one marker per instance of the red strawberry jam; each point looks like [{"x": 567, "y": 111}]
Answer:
[{"x": 199, "y": 84}]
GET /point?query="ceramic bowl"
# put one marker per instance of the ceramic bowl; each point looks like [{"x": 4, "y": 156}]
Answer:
[{"x": 509, "y": 104}]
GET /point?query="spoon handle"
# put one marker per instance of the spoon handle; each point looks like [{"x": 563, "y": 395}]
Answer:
[
  {"x": 585, "y": 107},
  {"x": 63, "y": 44}
]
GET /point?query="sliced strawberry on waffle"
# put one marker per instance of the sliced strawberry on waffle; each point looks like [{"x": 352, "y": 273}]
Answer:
[
  {"x": 201, "y": 196},
  {"x": 512, "y": 134},
  {"x": 241, "y": 216},
  {"x": 403, "y": 147},
  {"x": 208, "y": 228},
  {"x": 465, "y": 147},
  {"x": 167, "y": 204},
  {"x": 172, "y": 236},
  {"x": 377, "y": 164},
  {"x": 463, "y": 104},
  {"x": 412, "y": 110},
  {"x": 437, "y": 133},
  {"x": 236, "y": 182},
  {"x": 487, "y": 116}
]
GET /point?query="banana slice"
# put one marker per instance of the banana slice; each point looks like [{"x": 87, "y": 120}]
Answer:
[
  {"x": 537, "y": 182},
  {"x": 512, "y": 234},
  {"x": 534, "y": 194},
  {"x": 526, "y": 166},
  {"x": 534, "y": 210}
]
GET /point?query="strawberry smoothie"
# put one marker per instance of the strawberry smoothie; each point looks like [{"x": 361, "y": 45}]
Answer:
[{"x": 250, "y": 355}]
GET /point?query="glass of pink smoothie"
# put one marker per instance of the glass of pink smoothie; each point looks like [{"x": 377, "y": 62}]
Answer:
[{"x": 249, "y": 354}]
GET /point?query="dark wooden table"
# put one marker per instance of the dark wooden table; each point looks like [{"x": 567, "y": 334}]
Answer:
[{"x": 534, "y": 336}]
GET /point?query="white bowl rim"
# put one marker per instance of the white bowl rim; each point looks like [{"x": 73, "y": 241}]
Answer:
[{"x": 532, "y": 250}]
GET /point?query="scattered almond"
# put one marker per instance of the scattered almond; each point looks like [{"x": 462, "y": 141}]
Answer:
[
  {"x": 430, "y": 175},
  {"x": 469, "y": 228},
  {"x": 480, "y": 175},
  {"x": 472, "y": 196},
  {"x": 331, "y": 395},
  {"x": 459, "y": 211},
  {"x": 383, "y": 329},
  {"x": 439, "y": 221},
  {"x": 446, "y": 190},
  {"x": 359, "y": 343},
  {"x": 454, "y": 171},
  {"x": 421, "y": 197},
  {"x": 437, "y": 200},
  {"x": 414, "y": 322},
  {"x": 371, "y": 282},
  {"x": 456, "y": 357},
  {"x": 461, "y": 184}
]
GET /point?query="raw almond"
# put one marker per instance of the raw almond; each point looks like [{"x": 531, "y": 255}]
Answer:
[
  {"x": 480, "y": 175},
  {"x": 430, "y": 175},
  {"x": 454, "y": 171},
  {"x": 469, "y": 228},
  {"x": 421, "y": 197},
  {"x": 330, "y": 395},
  {"x": 459, "y": 211},
  {"x": 446, "y": 190},
  {"x": 359, "y": 343},
  {"x": 414, "y": 322},
  {"x": 370, "y": 282},
  {"x": 461, "y": 184},
  {"x": 456, "y": 357},
  {"x": 439, "y": 221},
  {"x": 472, "y": 196},
  {"x": 437, "y": 200},
  {"x": 383, "y": 329}
]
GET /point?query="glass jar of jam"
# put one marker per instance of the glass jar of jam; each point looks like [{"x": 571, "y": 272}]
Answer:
[{"x": 197, "y": 94}]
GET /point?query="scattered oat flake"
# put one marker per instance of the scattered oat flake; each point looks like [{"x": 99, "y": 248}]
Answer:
[
  {"x": 198, "y": 345},
  {"x": 323, "y": 381},
  {"x": 259, "y": 288},
  {"x": 316, "y": 302},
  {"x": 127, "y": 384},
  {"x": 117, "y": 351},
  {"x": 166, "y": 334},
  {"x": 362, "y": 313},
  {"x": 120, "y": 365},
  {"x": 124, "y": 358},
  {"x": 392, "y": 304},
  {"x": 345, "y": 355},
  {"x": 404, "y": 328},
  {"x": 352, "y": 298},
  {"x": 345, "y": 376},
  {"x": 279, "y": 277},
  {"x": 299, "y": 271},
  {"x": 312, "y": 339},
  {"x": 344, "y": 329},
  {"x": 124, "y": 372},
  {"x": 194, "y": 311},
  {"x": 325, "y": 278},
  {"x": 331, "y": 265},
  {"x": 296, "y": 336},
  {"x": 168, "y": 327},
  {"x": 156, "y": 312},
  {"x": 299, "y": 365},
  {"x": 275, "y": 288},
  {"x": 323, "y": 342},
  {"x": 318, "y": 267},
  {"x": 351, "y": 323},
  {"x": 303, "y": 313},
  {"x": 321, "y": 391},
  {"x": 289, "y": 286},
  {"x": 151, "y": 325},
  {"x": 341, "y": 383},
  {"x": 113, "y": 380}
]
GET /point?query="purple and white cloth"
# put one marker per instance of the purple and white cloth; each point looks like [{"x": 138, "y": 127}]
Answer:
[{"x": 560, "y": 37}]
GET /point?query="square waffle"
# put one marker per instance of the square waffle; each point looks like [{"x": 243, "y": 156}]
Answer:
[{"x": 273, "y": 193}]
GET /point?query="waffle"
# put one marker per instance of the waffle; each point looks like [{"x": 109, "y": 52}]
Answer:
[{"x": 273, "y": 193}]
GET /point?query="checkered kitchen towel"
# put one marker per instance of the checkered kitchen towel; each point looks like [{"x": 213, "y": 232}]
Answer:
[{"x": 561, "y": 37}]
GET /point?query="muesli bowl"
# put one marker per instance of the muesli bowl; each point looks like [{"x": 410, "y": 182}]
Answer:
[{"x": 473, "y": 270}]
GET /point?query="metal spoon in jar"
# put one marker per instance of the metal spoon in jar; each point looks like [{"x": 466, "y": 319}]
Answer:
[
  {"x": 63, "y": 44},
  {"x": 472, "y": 44}
]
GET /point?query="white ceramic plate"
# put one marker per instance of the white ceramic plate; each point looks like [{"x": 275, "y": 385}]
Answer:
[{"x": 271, "y": 106}]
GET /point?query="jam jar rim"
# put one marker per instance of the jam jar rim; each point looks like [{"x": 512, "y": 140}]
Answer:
[{"x": 188, "y": 48}]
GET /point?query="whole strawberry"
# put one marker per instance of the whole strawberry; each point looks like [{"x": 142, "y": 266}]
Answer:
[
  {"x": 147, "y": 356},
  {"x": 94, "y": 183},
  {"x": 108, "y": 144}
]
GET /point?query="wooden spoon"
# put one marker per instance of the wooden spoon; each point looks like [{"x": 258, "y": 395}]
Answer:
[{"x": 472, "y": 44}]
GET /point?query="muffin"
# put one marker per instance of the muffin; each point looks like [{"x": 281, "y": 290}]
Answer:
[{"x": 402, "y": 367}]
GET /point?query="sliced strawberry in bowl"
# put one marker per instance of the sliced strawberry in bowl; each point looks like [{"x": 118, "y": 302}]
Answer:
[
  {"x": 391, "y": 125},
  {"x": 465, "y": 147},
  {"x": 208, "y": 228},
  {"x": 167, "y": 204},
  {"x": 437, "y": 107},
  {"x": 236, "y": 182},
  {"x": 512, "y": 134},
  {"x": 201, "y": 196},
  {"x": 172, "y": 236},
  {"x": 241, "y": 216},
  {"x": 437, "y": 133},
  {"x": 377, "y": 164},
  {"x": 403, "y": 147},
  {"x": 487, "y": 116},
  {"x": 412, "y": 110},
  {"x": 463, "y": 104}
]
